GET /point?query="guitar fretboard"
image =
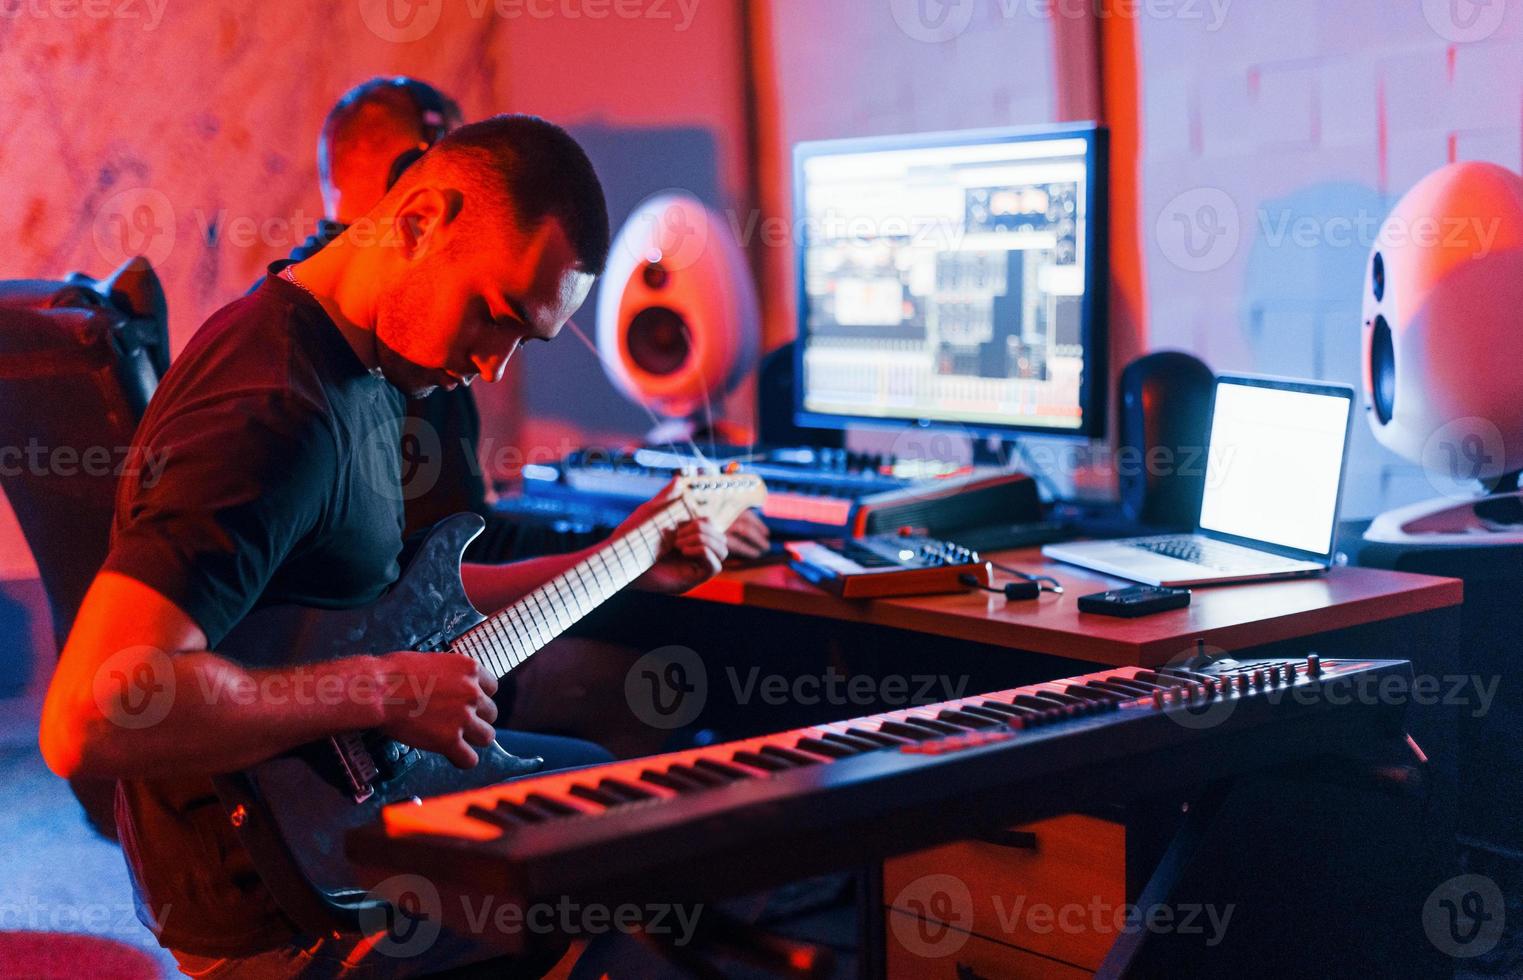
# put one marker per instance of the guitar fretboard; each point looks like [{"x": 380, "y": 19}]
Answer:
[{"x": 510, "y": 637}]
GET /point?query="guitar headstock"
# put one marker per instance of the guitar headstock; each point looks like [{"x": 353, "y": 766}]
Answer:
[{"x": 721, "y": 497}]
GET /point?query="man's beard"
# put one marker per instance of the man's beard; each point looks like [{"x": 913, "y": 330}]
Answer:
[
  {"x": 402, "y": 312},
  {"x": 412, "y": 379}
]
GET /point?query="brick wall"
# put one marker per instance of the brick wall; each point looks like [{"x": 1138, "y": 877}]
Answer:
[{"x": 1276, "y": 139}]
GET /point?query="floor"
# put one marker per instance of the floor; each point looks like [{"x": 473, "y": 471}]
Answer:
[{"x": 56, "y": 874}]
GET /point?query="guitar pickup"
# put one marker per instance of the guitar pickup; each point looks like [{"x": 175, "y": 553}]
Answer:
[{"x": 393, "y": 758}]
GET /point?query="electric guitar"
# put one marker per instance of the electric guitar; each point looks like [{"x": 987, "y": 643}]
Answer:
[{"x": 292, "y": 812}]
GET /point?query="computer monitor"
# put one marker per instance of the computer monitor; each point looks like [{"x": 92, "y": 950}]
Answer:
[{"x": 953, "y": 278}]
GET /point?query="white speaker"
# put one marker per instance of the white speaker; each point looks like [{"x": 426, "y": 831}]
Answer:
[
  {"x": 1442, "y": 350},
  {"x": 677, "y": 318}
]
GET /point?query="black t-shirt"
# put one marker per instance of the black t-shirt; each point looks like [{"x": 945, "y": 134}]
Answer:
[
  {"x": 441, "y": 474},
  {"x": 271, "y": 475}
]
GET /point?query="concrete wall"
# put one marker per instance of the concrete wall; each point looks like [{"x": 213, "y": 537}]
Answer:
[{"x": 186, "y": 131}]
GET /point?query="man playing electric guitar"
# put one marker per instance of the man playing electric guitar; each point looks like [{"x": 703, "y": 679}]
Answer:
[{"x": 279, "y": 425}]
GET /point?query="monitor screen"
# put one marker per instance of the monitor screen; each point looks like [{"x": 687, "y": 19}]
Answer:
[
  {"x": 1275, "y": 465},
  {"x": 952, "y": 278}
]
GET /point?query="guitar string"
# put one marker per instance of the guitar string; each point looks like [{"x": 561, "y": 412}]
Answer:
[{"x": 473, "y": 641}]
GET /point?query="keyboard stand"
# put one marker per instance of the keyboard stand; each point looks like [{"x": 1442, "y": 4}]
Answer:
[
  {"x": 721, "y": 933},
  {"x": 1192, "y": 832}
]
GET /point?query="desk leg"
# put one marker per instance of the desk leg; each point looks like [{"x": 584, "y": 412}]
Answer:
[{"x": 1187, "y": 841}]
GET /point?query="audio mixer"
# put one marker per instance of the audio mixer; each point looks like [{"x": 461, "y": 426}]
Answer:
[{"x": 811, "y": 491}]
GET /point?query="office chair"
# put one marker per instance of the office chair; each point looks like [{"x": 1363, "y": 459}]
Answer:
[{"x": 79, "y": 359}]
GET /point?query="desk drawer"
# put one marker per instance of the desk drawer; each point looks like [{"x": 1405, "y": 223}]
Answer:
[
  {"x": 965, "y": 957},
  {"x": 1060, "y": 895}
]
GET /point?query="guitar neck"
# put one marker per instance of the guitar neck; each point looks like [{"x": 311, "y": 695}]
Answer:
[{"x": 505, "y": 640}]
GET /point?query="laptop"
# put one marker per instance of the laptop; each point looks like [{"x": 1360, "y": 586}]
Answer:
[{"x": 1275, "y": 461}]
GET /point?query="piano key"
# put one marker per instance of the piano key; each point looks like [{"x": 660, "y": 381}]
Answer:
[
  {"x": 966, "y": 719},
  {"x": 1079, "y": 705},
  {"x": 789, "y": 755},
  {"x": 498, "y": 816},
  {"x": 1111, "y": 687},
  {"x": 721, "y": 769},
  {"x": 676, "y": 783},
  {"x": 907, "y": 730},
  {"x": 758, "y": 761},
  {"x": 1099, "y": 698},
  {"x": 628, "y": 791},
  {"x": 1190, "y": 675},
  {"x": 833, "y": 749},
  {"x": 696, "y": 775},
  {"x": 945, "y": 727},
  {"x": 555, "y": 808},
  {"x": 1010, "y": 711},
  {"x": 598, "y": 796},
  {"x": 1141, "y": 687},
  {"x": 882, "y": 739},
  {"x": 1049, "y": 709},
  {"x": 997, "y": 717}
]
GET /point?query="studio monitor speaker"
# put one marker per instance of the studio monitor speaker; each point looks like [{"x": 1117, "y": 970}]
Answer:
[{"x": 1161, "y": 444}]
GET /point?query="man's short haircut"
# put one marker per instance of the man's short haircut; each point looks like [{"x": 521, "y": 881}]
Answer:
[
  {"x": 535, "y": 168},
  {"x": 387, "y": 109}
]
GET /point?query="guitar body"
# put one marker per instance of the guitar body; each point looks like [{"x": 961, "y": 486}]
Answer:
[{"x": 293, "y": 812}]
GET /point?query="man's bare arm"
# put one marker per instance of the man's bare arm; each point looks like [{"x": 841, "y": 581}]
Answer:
[{"x": 137, "y": 695}]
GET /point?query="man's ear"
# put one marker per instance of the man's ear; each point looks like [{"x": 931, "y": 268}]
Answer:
[{"x": 424, "y": 219}]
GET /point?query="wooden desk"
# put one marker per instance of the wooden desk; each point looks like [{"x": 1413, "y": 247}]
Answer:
[
  {"x": 1231, "y": 617},
  {"x": 1349, "y": 612}
]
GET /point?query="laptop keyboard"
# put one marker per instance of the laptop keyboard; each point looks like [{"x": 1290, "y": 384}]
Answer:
[{"x": 1203, "y": 551}]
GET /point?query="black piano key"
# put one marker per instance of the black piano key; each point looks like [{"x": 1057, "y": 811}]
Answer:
[
  {"x": 627, "y": 790},
  {"x": 966, "y": 719},
  {"x": 1016, "y": 712},
  {"x": 722, "y": 769},
  {"x": 554, "y": 807},
  {"x": 1051, "y": 709},
  {"x": 1141, "y": 687},
  {"x": 502, "y": 815},
  {"x": 1180, "y": 672},
  {"x": 859, "y": 741},
  {"x": 700, "y": 776},
  {"x": 833, "y": 750},
  {"x": 945, "y": 727},
  {"x": 765, "y": 763},
  {"x": 598, "y": 796},
  {"x": 885, "y": 739},
  {"x": 1079, "y": 705},
  {"x": 1090, "y": 694},
  {"x": 788, "y": 755},
  {"x": 998, "y": 717},
  {"x": 909, "y": 730},
  {"x": 999, "y": 707},
  {"x": 676, "y": 783},
  {"x": 1124, "y": 693}
]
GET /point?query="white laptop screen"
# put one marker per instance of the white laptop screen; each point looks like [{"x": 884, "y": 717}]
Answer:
[{"x": 1275, "y": 464}]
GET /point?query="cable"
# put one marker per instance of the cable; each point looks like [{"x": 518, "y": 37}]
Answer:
[
  {"x": 1052, "y": 584},
  {"x": 1011, "y": 590},
  {"x": 1042, "y": 481}
]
